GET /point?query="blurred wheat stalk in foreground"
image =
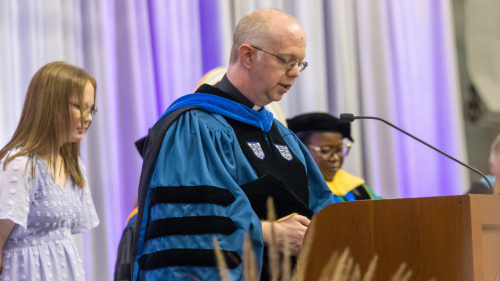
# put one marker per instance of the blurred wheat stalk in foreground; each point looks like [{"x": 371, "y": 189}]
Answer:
[{"x": 338, "y": 268}]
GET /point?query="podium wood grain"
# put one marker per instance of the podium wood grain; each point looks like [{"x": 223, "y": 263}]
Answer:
[{"x": 447, "y": 238}]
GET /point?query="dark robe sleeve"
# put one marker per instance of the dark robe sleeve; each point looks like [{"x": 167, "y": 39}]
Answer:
[{"x": 122, "y": 267}]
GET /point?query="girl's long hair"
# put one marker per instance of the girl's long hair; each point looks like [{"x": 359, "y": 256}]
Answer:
[{"x": 45, "y": 120}]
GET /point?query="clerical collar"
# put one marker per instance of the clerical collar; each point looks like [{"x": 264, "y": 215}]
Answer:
[{"x": 226, "y": 86}]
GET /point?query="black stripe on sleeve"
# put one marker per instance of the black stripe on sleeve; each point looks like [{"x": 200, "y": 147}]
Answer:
[
  {"x": 152, "y": 146},
  {"x": 190, "y": 226},
  {"x": 191, "y": 195},
  {"x": 186, "y": 257}
]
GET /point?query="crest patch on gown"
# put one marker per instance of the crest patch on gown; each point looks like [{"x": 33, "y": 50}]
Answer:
[
  {"x": 283, "y": 149},
  {"x": 257, "y": 150}
]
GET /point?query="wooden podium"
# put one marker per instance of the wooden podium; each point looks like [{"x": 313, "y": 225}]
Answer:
[{"x": 447, "y": 238}]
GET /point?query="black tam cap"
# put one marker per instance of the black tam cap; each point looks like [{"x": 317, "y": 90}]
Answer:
[{"x": 319, "y": 122}]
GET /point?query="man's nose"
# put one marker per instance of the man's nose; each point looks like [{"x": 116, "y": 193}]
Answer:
[{"x": 294, "y": 72}]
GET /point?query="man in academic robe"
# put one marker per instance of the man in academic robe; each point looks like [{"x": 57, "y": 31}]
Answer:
[{"x": 215, "y": 156}]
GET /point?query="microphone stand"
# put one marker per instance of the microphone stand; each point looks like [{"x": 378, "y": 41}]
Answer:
[{"x": 348, "y": 118}]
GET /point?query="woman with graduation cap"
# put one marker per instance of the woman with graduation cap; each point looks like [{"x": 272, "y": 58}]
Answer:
[{"x": 329, "y": 142}]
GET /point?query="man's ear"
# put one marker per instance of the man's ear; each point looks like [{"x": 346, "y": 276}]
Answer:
[{"x": 245, "y": 55}]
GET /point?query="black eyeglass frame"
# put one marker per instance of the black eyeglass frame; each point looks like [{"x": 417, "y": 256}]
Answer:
[
  {"x": 92, "y": 109},
  {"x": 302, "y": 65}
]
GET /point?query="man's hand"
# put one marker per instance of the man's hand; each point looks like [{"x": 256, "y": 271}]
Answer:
[{"x": 294, "y": 227}]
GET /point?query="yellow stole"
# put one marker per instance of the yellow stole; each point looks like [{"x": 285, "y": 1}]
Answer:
[{"x": 343, "y": 182}]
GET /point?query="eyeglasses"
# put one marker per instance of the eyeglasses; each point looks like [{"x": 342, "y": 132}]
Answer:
[
  {"x": 92, "y": 109},
  {"x": 288, "y": 64},
  {"x": 328, "y": 151}
]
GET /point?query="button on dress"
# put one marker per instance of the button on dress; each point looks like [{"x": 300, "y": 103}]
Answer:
[{"x": 40, "y": 246}]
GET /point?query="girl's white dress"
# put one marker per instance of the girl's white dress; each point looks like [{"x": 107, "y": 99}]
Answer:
[{"x": 40, "y": 246}]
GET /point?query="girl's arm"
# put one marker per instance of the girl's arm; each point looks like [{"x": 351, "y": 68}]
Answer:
[{"x": 6, "y": 227}]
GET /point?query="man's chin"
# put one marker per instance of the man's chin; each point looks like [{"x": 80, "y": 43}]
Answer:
[{"x": 277, "y": 96}]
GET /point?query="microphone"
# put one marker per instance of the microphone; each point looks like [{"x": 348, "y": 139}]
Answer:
[{"x": 348, "y": 118}]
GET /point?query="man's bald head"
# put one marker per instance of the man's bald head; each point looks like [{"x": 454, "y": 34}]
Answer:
[
  {"x": 276, "y": 35},
  {"x": 255, "y": 29}
]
